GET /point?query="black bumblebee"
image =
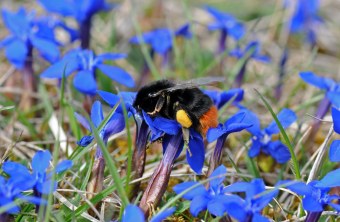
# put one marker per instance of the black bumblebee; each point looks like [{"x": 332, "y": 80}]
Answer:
[{"x": 183, "y": 102}]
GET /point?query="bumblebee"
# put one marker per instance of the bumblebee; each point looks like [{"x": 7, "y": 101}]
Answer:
[{"x": 183, "y": 102}]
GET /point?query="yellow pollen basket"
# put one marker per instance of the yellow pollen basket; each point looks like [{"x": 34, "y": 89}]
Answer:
[{"x": 183, "y": 118}]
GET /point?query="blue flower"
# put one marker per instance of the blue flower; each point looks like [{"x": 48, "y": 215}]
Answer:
[
  {"x": 115, "y": 125},
  {"x": 113, "y": 99},
  {"x": 251, "y": 51},
  {"x": 306, "y": 20},
  {"x": 42, "y": 182},
  {"x": 226, "y": 23},
  {"x": 214, "y": 198},
  {"x": 220, "y": 133},
  {"x": 316, "y": 193},
  {"x": 167, "y": 129},
  {"x": 85, "y": 62},
  {"x": 323, "y": 83},
  {"x": 135, "y": 214},
  {"x": 249, "y": 209},
  {"x": 161, "y": 39},
  {"x": 12, "y": 189},
  {"x": 80, "y": 10},
  {"x": 27, "y": 34},
  {"x": 262, "y": 138},
  {"x": 221, "y": 98}
]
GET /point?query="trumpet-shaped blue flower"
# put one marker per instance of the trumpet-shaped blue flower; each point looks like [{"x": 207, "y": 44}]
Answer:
[
  {"x": 323, "y": 83},
  {"x": 262, "y": 138},
  {"x": 161, "y": 39},
  {"x": 85, "y": 62},
  {"x": 251, "y": 51},
  {"x": 12, "y": 189},
  {"x": 115, "y": 125},
  {"x": 166, "y": 128},
  {"x": 225, "y": 23},
  {"x": 306, "y": 19},
  {"x": 214, "y": 198},
  {"x": 42, "y": 182},
  {"x": 26, "y": 34},
  {"x": 135, "y": 214},
  {"x": 80, "y": 10},
  {"x": 249, "y": 209},
  {"x": 316, "y": 193},
  {"x": 221, "y": 98}
]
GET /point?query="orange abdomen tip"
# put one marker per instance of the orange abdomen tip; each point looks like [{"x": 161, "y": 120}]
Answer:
[{"x": 209, "y": 120}]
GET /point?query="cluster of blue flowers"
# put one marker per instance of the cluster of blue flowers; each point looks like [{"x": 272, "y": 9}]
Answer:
[{"x": 21, "y": 179}]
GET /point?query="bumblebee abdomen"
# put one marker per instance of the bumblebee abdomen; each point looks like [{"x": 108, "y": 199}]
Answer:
[{"x": 208, "y": 120}]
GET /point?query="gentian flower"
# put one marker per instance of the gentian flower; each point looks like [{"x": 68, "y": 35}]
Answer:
[
  {"x": 135, "y": 214},
  {"x": 249, "y": 209},
  {"x": 213, "y": 198},
  {"x": 330, "y": 87},
  {"x": 316, "y": 195},
  {"x": 85, "y": 62},
  {"x": 262, "y": 138},
  {"x": 40, "y": 163},
  {"x": 82, "y": 11},
  {"x": 171, "y": 132},
  {"x": 114, "y": 125},
  {"x": 251, "y": 51},
  {"x": 12, "y": 189},
  {"x": 227, "y": 25},
  {"x": 27, "y": 34},
  {"x": 161, "y": 40},
  {"x": 142, "y": 134},
  {"x": 306, "y": 19},
  {"x": 221, "y": 132},
  {"x": 221, "y": 98}
]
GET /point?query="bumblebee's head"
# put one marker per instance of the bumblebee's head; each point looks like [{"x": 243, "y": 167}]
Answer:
[{"x": 144, "y": 100}]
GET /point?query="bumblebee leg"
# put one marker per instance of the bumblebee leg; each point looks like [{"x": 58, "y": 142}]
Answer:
[
  {"x": 186, "y": 134},
  {"x": 159, "y": 105}
]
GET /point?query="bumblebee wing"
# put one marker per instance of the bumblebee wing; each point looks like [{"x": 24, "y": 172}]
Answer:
[{"x": 193, "y": 83}]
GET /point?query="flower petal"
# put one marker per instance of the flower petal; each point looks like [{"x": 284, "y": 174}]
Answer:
[
  {"x": 41, "y": 161},
  {"x": 252, "y": 119},
  {"x": 195, "y": 157},
  {"x": 117, "y": 74},
  {"x": 133, "y": 213},
  {"x": 237, "y": 210},
  {"x": 336, "y": 119},
  {"x": 59, "y": 69},
  {"x": 48, "y": 49},
  {"x": 279, "y": 151},
  {"x": 255, "y": 148},
  {"x": 214, "y": 133},
  {"x": 97, "y": 114},
  {"x": 110, "y": 56},
  {"x": 83, "y": 121},
  {"x": 334, "y": 97},
  {"x": 63, "y": 165},
  {"x": 220, "y": 173},
  {"x": 110, "y": 98},
  {"x": 331, "y": 179},
  {"x": 286, "y": 117},
  {"x": 320, "y": 82},
  {"x": 197, "y": 191},
  {"x": 15, "y": 169},
  {"x": 311, "y": 204},
  {"x": 334, "y": 151},
  {"x": 198, "y": 204},
  {"x": 16, "y": 52},
  {"x": 159, "y": 217},
  {"x": 85, "y": 82},
  {"x": 184, "y": 31},
  {"x": 259, "y": 218}
]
